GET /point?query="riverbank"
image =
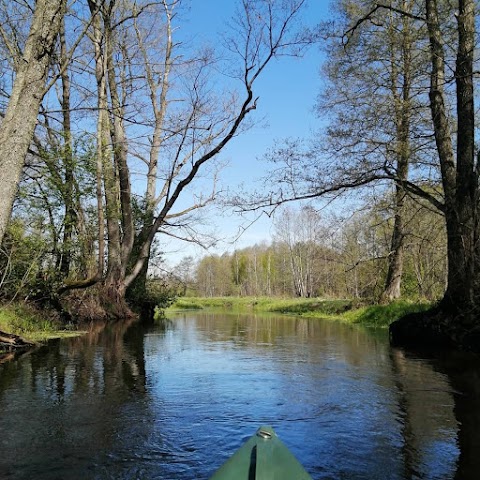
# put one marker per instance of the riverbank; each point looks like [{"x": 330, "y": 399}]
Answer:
[
  {"x": 32, "y": 325},
  {"x": 377, "y": 316}
]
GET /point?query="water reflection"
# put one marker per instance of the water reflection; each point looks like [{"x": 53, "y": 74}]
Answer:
[
  {"x": 428, "y": 428},
  {"x": 63, "y": 404},
  {"x": 463, "y": 372},
  {"x": 173, "y": 401}
]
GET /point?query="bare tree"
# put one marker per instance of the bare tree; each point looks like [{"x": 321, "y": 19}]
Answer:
[
  {"x": 377, "y": 131},
  {"x": 159, "y": 116},
  {"x": 300, "y": 233}
]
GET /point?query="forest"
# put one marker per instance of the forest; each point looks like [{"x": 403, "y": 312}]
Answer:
[
  {"x": 113, "y": 120},
  {"x": 310, "y": 256}
]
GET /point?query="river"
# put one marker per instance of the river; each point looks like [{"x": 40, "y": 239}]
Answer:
[{"x": 174, "y": 400}]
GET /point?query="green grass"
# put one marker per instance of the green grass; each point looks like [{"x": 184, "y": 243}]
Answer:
[
  {"x": 186, "y": 304},
  {"x": 378, "y": 316},
  {"x": 30, "y": 324},
  {"x": 381, "y": 316},
  {"x": 199, "y": 303},
  {"x": 311, "y": 307}
]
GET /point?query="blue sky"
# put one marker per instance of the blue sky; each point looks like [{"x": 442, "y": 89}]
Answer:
[{"x": 287, "y": 93}]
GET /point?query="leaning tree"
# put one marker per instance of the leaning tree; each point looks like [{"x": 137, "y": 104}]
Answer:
[{"x": 31, "y": 63}]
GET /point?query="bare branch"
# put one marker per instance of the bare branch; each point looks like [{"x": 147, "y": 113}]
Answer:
[{"x": 368, "y": 17}]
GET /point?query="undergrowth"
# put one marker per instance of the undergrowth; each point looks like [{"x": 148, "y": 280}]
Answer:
[{"x": 29, "y": 323}]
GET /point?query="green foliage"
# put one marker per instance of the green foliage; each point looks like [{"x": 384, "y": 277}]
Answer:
[
  {"x": 23, "y": 261},
  {"x": 409, "y": 282},
  {"x": 186, "y": 304},
  {"x": 160, "y": 293},
  {"x": 144, "y": 293},
  {"x": 214, "y": 276},
  {"x": 239, "y": 269},
  {"x": 55, "y": 207}
]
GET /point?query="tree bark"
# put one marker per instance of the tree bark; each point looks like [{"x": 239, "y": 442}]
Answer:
[
  {"x": 461, "y": 217},
  {"x": 18, "y": 125},
  {"x": 395, "y": 262},
  {"x": 459, "y": 177}
]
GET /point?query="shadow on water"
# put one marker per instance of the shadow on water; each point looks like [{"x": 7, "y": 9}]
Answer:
[
  {"x": 450, "y": 420},
  {"x": 174, "y": 400}
]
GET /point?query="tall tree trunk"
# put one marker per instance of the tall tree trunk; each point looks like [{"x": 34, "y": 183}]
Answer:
[
  {"x": 120, "y": 154},
  {"x": 402, "y": 108},
  {"x": 113, "y": 288},
  {"x": 102, "y": 137},
  {"x": 395, "y": 262},
  {"x": 70, "y": 212},
  {"x": 462, "y": 218},
  {"x": 459, "y": 178},
  {"x": 137, "y": 289},
  {"x": 18, "y": 125},
  {"x": 456, "y": 321}
]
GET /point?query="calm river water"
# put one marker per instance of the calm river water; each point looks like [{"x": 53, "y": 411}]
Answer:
[{"x": 173, "y": 401}]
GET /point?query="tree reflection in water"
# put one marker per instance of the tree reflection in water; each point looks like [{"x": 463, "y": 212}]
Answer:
[
  {"x": 133, "y": 401},
  {"x": 66, "y": 402}
]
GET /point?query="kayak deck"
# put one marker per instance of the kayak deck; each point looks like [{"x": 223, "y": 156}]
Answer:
[{"x": 262, "y": 457}]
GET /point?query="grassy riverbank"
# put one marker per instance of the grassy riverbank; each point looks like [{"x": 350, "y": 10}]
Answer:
[
  {"x": 31, "y": 324},
  {"x": 379, "y": 316}
]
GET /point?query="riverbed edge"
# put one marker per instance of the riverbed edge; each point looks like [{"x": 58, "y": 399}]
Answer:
[{"x": 344, "y": 310}]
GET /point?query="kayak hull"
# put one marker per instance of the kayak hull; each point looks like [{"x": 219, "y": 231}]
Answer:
[{"x": 262, "y": 457}]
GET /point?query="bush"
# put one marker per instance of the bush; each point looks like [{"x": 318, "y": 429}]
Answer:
[
  {"x": 22, "y": 259},
  {"x": 186, "y": 304}
]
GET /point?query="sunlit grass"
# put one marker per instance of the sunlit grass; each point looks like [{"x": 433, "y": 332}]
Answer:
[
  {"x": 198, "y": 303},
  {"x": 381, "y": 316},
  {"x": 310, "y": 307},
  {"x": 378, "y": 316},
  {"x": 295, "y": 306},
  {"x": 28, "y": 323},
  {"x": 187, "y": 304}
]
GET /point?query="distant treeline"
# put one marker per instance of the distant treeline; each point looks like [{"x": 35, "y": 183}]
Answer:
[{"x": 313, "y": 256}]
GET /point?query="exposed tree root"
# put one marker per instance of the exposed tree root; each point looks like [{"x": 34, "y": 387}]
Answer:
[{"x": 12, "y": 343}]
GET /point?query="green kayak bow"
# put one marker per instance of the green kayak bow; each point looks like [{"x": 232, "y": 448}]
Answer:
[{"x": 262, "y": 457}]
